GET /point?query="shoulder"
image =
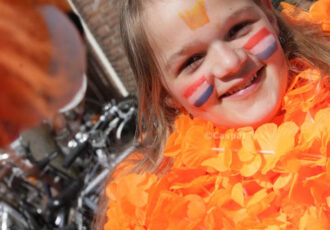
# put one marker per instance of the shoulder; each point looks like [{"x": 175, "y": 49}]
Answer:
[{"x": 128, "y": 197}]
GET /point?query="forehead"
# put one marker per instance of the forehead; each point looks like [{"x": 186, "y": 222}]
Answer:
[
  {"x": 166, "y": 30},
  {"x": 159, "y": 13}
]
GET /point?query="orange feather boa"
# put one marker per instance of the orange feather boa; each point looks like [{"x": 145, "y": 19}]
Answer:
[{"x": 274, "y": 177}]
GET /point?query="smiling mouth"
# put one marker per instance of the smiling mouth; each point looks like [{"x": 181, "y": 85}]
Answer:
[{"x": 252, "y": 80}]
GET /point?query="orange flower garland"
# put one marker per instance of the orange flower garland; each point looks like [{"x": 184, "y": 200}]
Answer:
[{"x": 274, "y": 177}]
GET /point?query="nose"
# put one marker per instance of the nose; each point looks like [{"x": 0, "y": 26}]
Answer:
[{"x": 225, "y": 60}]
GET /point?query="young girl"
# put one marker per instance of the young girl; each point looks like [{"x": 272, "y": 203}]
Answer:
[{"x": 235, "y": 105}]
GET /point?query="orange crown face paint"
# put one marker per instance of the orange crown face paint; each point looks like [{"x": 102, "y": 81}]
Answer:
[
  {"x": 197, "y": 17},
  {"x": 199, "y": 92}
]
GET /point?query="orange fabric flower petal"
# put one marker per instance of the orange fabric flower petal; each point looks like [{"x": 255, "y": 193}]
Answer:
[
  {"x": 257, "y": 197},
  {"x": 131, "y": 187},
  {"x": 200, "y": 185},
  {"x": 266, "y": 136},
  {"x": 196, "y": 207},
  {"x": 194, "y": 152},
  {"x": 282, "y": 181},
  {"x": 248, "y": 150},
  {"x": 217, "y": 163},
  {"x": 172, "y": 149},
  {"x": 320, "y": 12},
  {"x": 237, "y": 194},
  {"x": 260, "y": 202},
  {"x": 277, "y": 141},
  {"x": 220, "y": 197},
  {"x": 251, "y": 168},
  {"x": 314, "y": 220}
]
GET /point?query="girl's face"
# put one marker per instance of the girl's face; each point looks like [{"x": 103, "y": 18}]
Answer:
[{"x": 220, "y": 59}]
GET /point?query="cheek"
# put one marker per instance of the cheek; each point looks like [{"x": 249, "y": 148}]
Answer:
[
  {"x": 263, "y": 44},
  {"x": 279, "y": 73},
  {"x": 198, "y": 93},
  {"x": 283, "y": 70},
  {"x": 280, "y": 63}
]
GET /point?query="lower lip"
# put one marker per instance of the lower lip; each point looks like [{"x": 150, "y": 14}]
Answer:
[{"x": 250, "y": 89}]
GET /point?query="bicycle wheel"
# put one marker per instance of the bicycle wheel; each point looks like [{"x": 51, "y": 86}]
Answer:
[{"x": 11, "y": 218}]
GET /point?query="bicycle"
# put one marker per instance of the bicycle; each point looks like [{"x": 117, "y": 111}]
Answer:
[{"x": 45, "y": 197}]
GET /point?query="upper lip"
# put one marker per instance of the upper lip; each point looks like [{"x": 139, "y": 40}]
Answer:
[{"x": 242, "y": 81}]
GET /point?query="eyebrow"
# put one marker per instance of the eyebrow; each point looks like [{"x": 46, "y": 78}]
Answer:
[
  {"x": 180, "y": 53},
  {"x": 185, "y": 48}
]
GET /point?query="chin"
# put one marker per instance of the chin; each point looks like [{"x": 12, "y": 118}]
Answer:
[
  {"x": 261, "y": 116},
  {"x": 254, "y": 116}
]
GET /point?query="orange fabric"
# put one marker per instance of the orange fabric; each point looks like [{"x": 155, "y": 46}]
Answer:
[
  {"x": 276, "y": 176},
  {"x": 25, "y": 54},
  {"x": 61, "y": 4},
  {"x": 28, "y": 93},
  {"x": 319, "y": 13},
  {"x": 126, "y": 166}
]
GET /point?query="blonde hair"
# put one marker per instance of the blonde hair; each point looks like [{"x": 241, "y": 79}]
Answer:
[{"x": 155, "y": 116}]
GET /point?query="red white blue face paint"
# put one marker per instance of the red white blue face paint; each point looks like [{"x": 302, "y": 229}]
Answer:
[
  {"x": 263, "y": 44},
  {"x": 198, "y": 93}
]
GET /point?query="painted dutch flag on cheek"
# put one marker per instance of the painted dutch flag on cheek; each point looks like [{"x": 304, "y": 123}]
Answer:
[
  {"x": 263, "y": 44},
  {"x": 198, "y": 93}
]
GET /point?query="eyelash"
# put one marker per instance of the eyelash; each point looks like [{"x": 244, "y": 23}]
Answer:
[
  {"x": 236, "y": 29},
  {"x": 191, "y": 62}
]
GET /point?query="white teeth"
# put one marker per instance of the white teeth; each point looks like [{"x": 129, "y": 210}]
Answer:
[{"x": 245, "y": 85}]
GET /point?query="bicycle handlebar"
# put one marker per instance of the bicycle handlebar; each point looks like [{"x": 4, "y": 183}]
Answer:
[{"x": 69, "y": 159}]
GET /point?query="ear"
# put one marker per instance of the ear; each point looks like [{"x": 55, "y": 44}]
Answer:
[{"x": 172, "y": 103}]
